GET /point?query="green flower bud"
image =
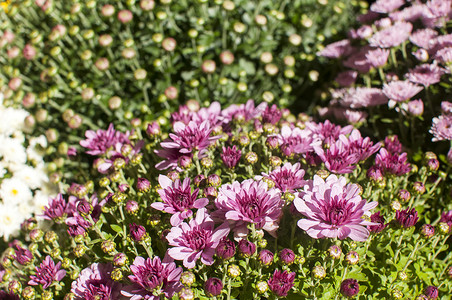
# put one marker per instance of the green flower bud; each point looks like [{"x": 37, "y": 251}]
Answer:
[
  {"x": 261, "y": 287},
  {"x": 234, "y": 271},
  {"x": 319, "y": 272},
  {"x": 251, "y": 157},
  {"x": 116, "y": 275}
]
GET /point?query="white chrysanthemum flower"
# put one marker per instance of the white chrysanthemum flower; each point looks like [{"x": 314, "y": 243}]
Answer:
[
  {"x": 33, "y": 177},
  {"x": 40, "y": 200},
  {"x": 26, "y": 209},
  {"x": 10, "y": 220},
  {"x": 14, "y": 191},
  {"x": 35, "y": 150},
  {"x": 12, "y": 151},
  {"x": 12, "y": 120}
]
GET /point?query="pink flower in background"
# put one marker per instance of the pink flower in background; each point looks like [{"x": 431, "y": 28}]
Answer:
[
  {"x": 438, "y": 8},
  {"x": 346, "y": 78},
  {"x": 249, "y": 202},
  {"x": 333, "y": 209},
  {"x": 423, "y": 37},
  {"x": 392, "y": 36},
  {"x": 441, "y": 128},
  {"x": 425, "y": 74},
  {"x": 287, "y": 178},
  {"x": 444, "y": 55},
  {"x": 364, "y": 147},
  {"x": 47, "y": 273},
  {"x": 358, "y": 60},
  {"x": 100, "y": 141},
  {"x": 386, "y": 6},
  {"x": 415, "y": 107},
  {"x": 362, "y": 97},
  {"x": 446, "y": 107},
  {"x": 151, "y": 278},
  {"x": 95, "y": 281},
  {"x": 401, "y": 90},
  {"x": 178, "y": 199},
  {"x": 243, "y": 112},
  {"x": 336, "y": 49},
  {"x": 378, "y": 57},
  {"x": 295, "y": 140},
  {"x": 408, "y": 14},
  {"x": 353, "y": 116},
  {"x": 196, "y": 240},
  {"x": 328, "y": 132}
]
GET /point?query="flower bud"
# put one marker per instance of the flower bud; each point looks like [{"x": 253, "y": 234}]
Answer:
[
  {"x": 184, "y": 162},
  {"x": 79, "y": 250},
  {"x": 404, "y": 195},
  {"x": 443, "y": 228},
  {"x": 352, "y": 257},
  {"x": 275, "y": 161},
  {"x": 169, "y": 44},
  {"x": 213, "y": 286},
  {"x": 47, "y": 295},
  {"x": 251, "y": 157},
  {"x": 14, "y": 287},
  {"x": 206, "y": 162},
  {"x": 120, "y": 260},
  {"x": 265, "y": 257},
  {"x": 234, "y": 271},
  {"x": 36, "y": 235},
  {"x": 116, "y": 275},
  {"x": 137, "y": 232},
  {"x": 396, "y": 294},
  {"x": 132, "y": 207},
  {"x": 186, "y": 294},
  {"x": 188, "y": 278},
  {"x": 125, "y": 16},
  {"x": 427, "y": 230},
  {"x": 418, "y": 187},
  {"x": 261, "y": 287},
  {"x": 335, "y": 252},
  {"x": 319, "y": 272},
  {"x": 50, "y": 237},
  {"x": 246, "y": 248},
  {"x": 108, "y": 246},
  {"x": 349, "y": 288},
  {"x": 208, "y": 66}
]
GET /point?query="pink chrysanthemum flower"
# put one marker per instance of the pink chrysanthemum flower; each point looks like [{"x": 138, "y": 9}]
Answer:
[
  {"x": 362, "y": 97},
  {"x": 364, "y": 147},
  {"x": 196, "y": 240},
  {"x": 446, "y": 107},
  {"x": 444, "y": 55},
  {"x": 346, "y": 78},
  {"x": 386, "y": 6},
  {"x": 333, "y": 209},
  {"x": 186, "y": 140},
  {"x": 358, "y": 60},
  {"x": 441, "y": 128},
  {"x": 47, "y": 273},
  {"x": 328, "y": 132},
  {"x": 243, "y": 112},
  {"x": 287, "y": 178},
  {"x": 425, "y": 74},
  {"x": 392, "y": 163},
  {"x": 95, "y": 282},
  {"x": 438, "y": 8},
  {"x": 178, "y": 199},
  {"x": 152, "y": 279},
  {"x": 281, "y": 282},
  {"x": 424, "y": 38},
  {"x": 337, "y": 49},
  {"x": 400, "y": 90},
  {"x": 337, "y": 157},
  {"x": 249, "y": 202},
  {"x": 392, "y": 36},
  {"x": 100, "y": 141},
  {"x": 293, "y": 140},
  {"x": 408, "y": 14},
  {"x": 377, "y": 57}
]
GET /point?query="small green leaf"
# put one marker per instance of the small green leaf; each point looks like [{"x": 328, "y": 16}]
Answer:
[{"x": 116, "y": 228}]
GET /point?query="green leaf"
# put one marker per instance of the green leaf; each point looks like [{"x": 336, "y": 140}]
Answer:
[
  {"x": 388, "y": 121},
  {"x": 247, "y": 66},
  {"x": 116, "y": 228}
]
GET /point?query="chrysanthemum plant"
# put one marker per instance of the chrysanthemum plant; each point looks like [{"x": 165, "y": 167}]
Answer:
[
  {"x": 78, "y": 65},
  {"x": 396, "y": 74},
  {"x": 241, "y": 202}
]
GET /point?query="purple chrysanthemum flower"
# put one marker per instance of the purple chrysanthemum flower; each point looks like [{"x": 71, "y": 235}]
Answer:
[
  {"x": 249, "y": 202},
  {"x": 362, "y": 97},
  {"x": 137, "y": 232},
  {"x": 8, "y": 296},
  {"x": 56, "y": 209},
  {"x": 178, "y": 199},
  {"x": 286, "y": 178},
  {"x": 438, "y": 8},
  {"x": 407, "y": 217},
  {"x": 377, "y": 57},
  {"x": 196, "y": 240},
  {"x": 265, "y": 257},
  {"x": 392, "y": 36},
  {"x": 393, "y": 145},
  {"x": 271, "y": 114},
  {"x": 231, "y": 156},
  {"x": 425, "y": 74},
  {"x": 46, "y": 273},
  {"x": 386, "y": 6},
  {"x": 336, "y": 49},
  {"x": 246, "y": 248},
  {"x": 287, "y": 256},
  {"x": 186, "y": 140},
  {"x": 379, "y": 221},
  {"x": 358, "y": 60},
  {"x": 350, "y": 287},
  {"x": 152, "y": 279},
  {"x": 423, "y": 38},
  {"x": 22, "y": 255},
  {"x": 441, "y": 128},
  {"x": 98, "y": 142},
  {"x": 281, "y": 282},
  {"x": 333, "y": 209},
  {"x": 400, "y": 90},
  {"x": 94, "y": 282},
  {"x": 395, "y": 164},
  {"x": 295, "y": 140}
]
